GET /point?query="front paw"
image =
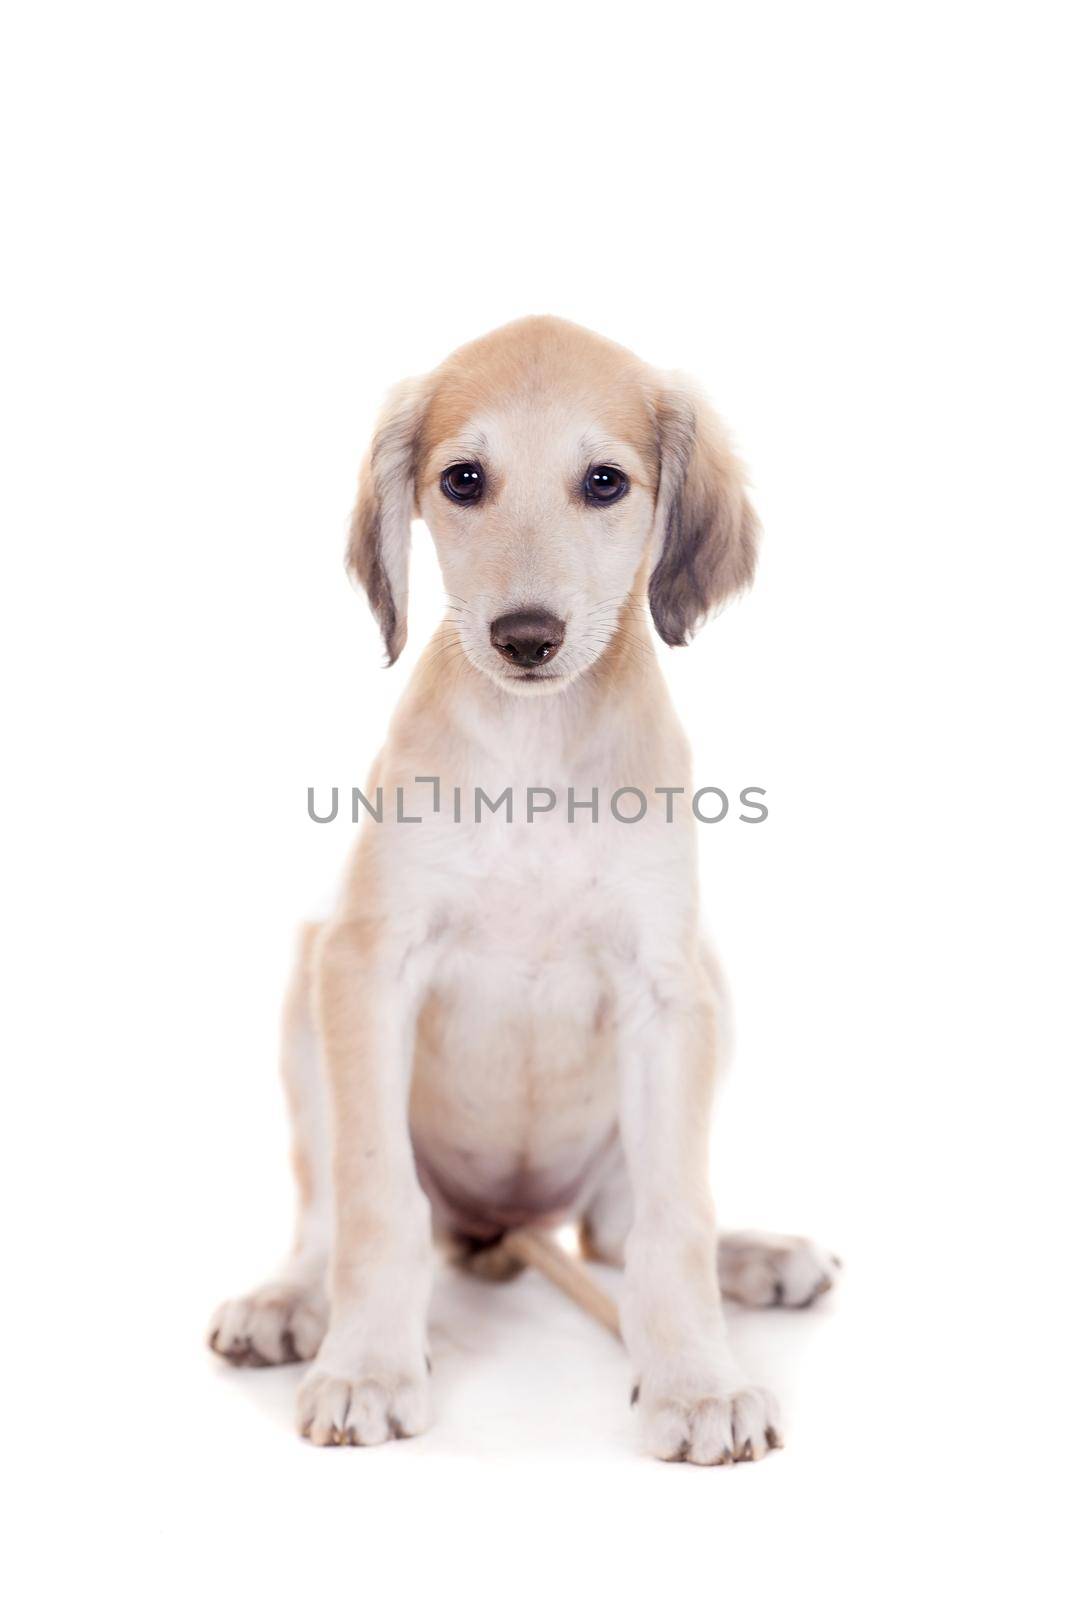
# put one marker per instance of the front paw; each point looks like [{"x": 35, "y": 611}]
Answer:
[
  {"x": 713, "y": 1429},
  {"x": 368, "y": 1408}
]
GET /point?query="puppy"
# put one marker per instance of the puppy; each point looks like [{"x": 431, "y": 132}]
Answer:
[{"x": 512, "y": 1018}]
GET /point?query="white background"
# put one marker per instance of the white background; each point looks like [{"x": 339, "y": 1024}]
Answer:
[{"x": 230, "y": 227}]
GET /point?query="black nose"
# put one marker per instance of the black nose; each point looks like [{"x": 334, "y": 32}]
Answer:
[{"x": 527, "y": 638}]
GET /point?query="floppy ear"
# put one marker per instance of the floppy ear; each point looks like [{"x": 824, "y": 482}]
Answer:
[
  {"x": 706, "y": 530},
  {"x": 379, "y": 538}
]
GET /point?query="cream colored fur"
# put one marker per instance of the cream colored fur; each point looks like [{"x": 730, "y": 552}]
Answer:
[{"x": 519, "y": 1022}]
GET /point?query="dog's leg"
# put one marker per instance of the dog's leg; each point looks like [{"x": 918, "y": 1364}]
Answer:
[
  {"x": 608, "y": 1218},
  {"x": 285, "y": 1318},
  {"x": 694, "y": 1403},
  {"x": 755, "y": 1269},
  {"x": 369, "y": 1382}
]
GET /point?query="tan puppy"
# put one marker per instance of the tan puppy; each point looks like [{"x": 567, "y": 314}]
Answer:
[{"x": 515, "y": 1020}]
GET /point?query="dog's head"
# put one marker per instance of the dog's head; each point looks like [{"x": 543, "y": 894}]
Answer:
[{"x": 554, "y": 471}]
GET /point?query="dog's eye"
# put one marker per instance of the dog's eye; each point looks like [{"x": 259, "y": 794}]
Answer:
[
  {"x": 604, "y": 485},
  {"x": 463, "y": 483}
]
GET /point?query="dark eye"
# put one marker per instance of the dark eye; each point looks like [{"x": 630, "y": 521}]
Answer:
[
  {"x": 464, "y": 482},
  {"x": 604, "y": 485}
]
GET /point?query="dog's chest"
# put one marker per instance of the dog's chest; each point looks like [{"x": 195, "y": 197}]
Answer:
[
  {"x": 524, "y": 892},
  {"x": 515, "y": 1089}
]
